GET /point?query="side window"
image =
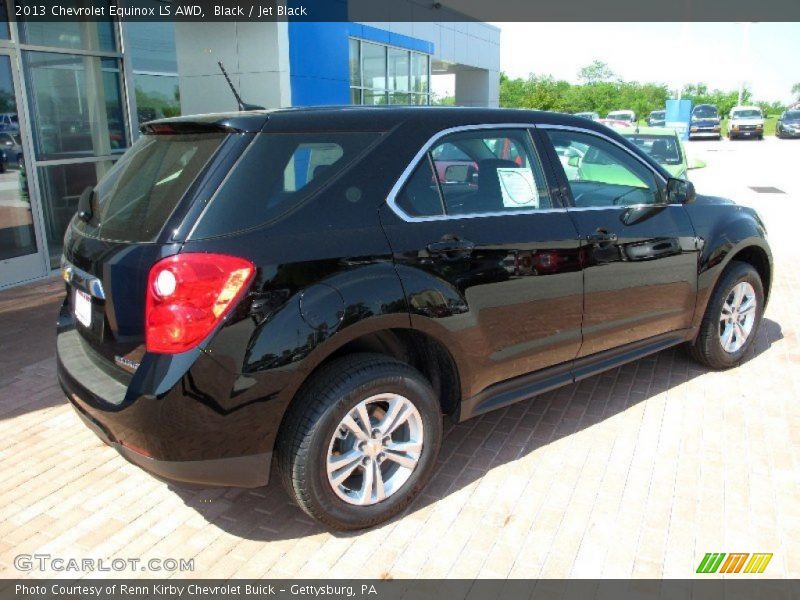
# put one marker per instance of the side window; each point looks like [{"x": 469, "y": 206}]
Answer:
[
  {"x": 601, "y": 173},
  {"x": 477, "y": 172}
]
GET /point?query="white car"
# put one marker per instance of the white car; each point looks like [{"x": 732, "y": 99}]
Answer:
[
  {"x": 746, "y": 121},
  {"x": 622, "y": 115}
]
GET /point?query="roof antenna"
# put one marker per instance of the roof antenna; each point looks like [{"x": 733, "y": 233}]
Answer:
[{"x": 243, "y": 106}]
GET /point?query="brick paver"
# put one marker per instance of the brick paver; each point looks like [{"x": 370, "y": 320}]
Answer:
[{"x": 636, "y": 472}]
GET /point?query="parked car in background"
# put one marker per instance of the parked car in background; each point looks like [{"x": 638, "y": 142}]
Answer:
[
  {"x": 657, "y": 118},
  {"x": 592, "y": 116},
  {"x": 622, "y": 115},
  {"x": 788, "y": 125},
  {"x": 616, "y": 123},
  {"x": 664, "y": 146},
  {"x": 705, "y": 123},
  {"x": 298, "y": 288},
  {"x": 11, "y": 144},
  {"x": 746, "y": 121}
]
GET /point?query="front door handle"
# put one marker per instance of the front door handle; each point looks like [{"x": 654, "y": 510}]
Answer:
[{"x": 451, "y": 247}]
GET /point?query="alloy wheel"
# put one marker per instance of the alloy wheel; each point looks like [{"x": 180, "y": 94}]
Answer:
[
  {"x": 737, "y": 317},
  {"x": 375, "y": 449}
]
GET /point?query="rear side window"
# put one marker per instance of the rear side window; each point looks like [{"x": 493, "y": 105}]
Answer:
[
  {"x": 137, "y": 196},
  {"x": 476, "y": 172},
  {"x": 276, "y": 172}
]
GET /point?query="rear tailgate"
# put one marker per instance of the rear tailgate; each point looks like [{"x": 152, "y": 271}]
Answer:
[{"x": 136, "y": 216}]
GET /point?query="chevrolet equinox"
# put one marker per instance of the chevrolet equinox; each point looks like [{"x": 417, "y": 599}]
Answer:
[{"x": 312, "y": 290}]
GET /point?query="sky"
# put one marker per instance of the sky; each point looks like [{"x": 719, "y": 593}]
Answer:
[{"x": 670, "y": 53}]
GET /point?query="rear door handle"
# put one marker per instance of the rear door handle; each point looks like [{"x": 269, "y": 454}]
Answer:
[
  {"x": 460, "y": 247},
  {"x": 601, "y": 237}
]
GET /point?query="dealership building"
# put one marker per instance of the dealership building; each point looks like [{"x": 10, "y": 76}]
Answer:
[{"x": 72, "y": 95}]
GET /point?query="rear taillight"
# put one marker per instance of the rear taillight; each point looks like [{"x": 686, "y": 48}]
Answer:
[{"x": 188, "y": 295}]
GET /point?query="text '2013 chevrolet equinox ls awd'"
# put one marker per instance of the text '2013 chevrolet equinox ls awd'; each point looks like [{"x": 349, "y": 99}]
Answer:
[{"x": 318, "y": 287}]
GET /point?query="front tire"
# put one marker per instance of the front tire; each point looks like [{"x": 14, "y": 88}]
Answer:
[
  {"x": 360, "y": 441},
  {"x": 732, "y": 318}
]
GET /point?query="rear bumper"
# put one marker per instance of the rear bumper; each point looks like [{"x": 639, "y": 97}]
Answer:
[
  {"x": 240, "y": 471},
  {"x": 174, "y": 435}
]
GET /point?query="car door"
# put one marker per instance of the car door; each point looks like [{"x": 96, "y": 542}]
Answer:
[
  {"x": 489, "y": 262},
  {"x": 640, "y": 253}
]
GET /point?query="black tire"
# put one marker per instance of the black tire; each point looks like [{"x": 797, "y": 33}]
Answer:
[
  {"x": 707, "y": 348},
  {"x": 313, "y": 419}
]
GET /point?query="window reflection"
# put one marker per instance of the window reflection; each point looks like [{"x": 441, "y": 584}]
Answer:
[
  {"x": 88, "y": 35},
  {"x": 61, "y": 186},
  {"x": 76, "y": 105},
  {"x": 157, "y": 96}
]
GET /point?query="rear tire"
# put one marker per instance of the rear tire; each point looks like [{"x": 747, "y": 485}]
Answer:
[
  {"x": 338, "y": 472},
  {"x": 726, "y": 335}
]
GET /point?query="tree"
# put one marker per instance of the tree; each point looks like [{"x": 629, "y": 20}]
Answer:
[
  {"x": 596, "y": 72},
  {"x": 796, "y": 90}
]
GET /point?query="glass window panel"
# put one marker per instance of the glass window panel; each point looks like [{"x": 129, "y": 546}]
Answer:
[
  {"x": 17, "y": 236},
  {"x": 79, "y": 35},
  {"x": 61, "y": 186},
  {"x": 398, "y": 70},
  {"x": 420, "y": 196},
  {"x": 151, "y": 45},
  {"x": 355, "y": 63},
  {"x": 419, "y": 72},
  {"x": 419, "y": 99},
  {"x": 76, "y": 105},
  {"x": 374, "y": 98},
  {"x": 157, "y": 96},
  {"x": 355, "y": 96},
  {"x": 489, "y": 171},
  {"x": 4, "y": 35},
  {"x": 397, "y": 98},
  {"x": 374, "y": 65}
]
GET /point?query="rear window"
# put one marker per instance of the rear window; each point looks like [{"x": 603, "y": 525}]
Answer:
[
  {"x": 276, "y": 172},
  {"x": 137, "y": 196}
]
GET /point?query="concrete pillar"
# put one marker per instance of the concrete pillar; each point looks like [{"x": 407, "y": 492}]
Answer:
[
  {"x": 477, "y": 87},
  {"x": 256, "y": 56}
]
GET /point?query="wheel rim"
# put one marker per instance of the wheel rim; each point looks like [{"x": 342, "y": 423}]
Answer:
[
  {"x": 738, "y": 317},
  {"x": 375, "y": 449}
]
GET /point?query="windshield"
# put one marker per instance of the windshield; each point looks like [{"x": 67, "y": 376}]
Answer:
[
  {"x": 137, "y": 196},
  {"x": 663, "y": 149},
  {"x": 792, "y": 115},
  {"x": 746, "y": 114},
  {"x": 705, "y": 112},
  {"x": 658, "y": 114}
]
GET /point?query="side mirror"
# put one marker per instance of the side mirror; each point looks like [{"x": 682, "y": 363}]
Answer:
[
  {"x": 680, "y": 191},
  {"x": 85, "y": 209},
  {"x": 456, "y": 174},
  {"x": 574, "y": 161}
]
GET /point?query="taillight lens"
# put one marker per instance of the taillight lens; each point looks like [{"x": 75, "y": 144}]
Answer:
[{"x": 187, "y": 296}]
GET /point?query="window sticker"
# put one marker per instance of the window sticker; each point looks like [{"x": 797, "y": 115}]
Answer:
[{"x": 518, "y": 187}]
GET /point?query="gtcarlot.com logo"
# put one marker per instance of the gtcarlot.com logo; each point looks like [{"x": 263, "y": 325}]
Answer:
[
  {"x": 58, "y": 564},
  {"x": 735, "y": 562}
]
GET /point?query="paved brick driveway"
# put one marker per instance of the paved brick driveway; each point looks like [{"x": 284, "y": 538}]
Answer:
[{"x": 637, "y": 472}]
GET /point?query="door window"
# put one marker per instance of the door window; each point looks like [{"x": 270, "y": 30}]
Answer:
[
  {"x": 477, "y": 172},
  {"x": 600, "y": 173}
]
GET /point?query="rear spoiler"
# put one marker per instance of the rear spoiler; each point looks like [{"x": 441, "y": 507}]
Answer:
[{"x": 184, "y": 127}]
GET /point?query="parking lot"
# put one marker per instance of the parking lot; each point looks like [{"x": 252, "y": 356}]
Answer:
[{"x": 637, "y": 472}]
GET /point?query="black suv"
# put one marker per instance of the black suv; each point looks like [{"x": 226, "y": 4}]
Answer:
[{"x": 318, "y": 287}]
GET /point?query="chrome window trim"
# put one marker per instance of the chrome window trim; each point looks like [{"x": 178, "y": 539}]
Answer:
[{"x": 391, "y": 199}]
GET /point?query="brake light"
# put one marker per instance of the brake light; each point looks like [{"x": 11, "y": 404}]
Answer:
[{"x": 188, "y": 295}]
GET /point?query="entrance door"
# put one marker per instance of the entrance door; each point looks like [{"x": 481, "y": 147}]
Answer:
[{"x": 20, "y": 251}]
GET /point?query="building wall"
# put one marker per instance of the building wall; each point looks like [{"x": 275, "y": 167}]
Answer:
[{"x": 256, "y": 56}]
